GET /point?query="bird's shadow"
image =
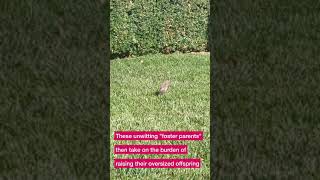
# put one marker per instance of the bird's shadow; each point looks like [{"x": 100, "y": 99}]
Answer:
[{"x": 158, "y": 93}]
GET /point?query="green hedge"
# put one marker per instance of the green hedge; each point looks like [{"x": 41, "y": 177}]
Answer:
[{"x": 140, "y": 27}]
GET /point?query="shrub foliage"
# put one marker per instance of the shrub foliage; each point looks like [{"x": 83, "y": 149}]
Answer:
[{"x": 140, "y": 27}]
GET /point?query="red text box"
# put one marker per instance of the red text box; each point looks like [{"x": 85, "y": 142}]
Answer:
[
  {"x": 159, "y": 135},
  {"x": 157, "y": 163},
  {"x": 150, "y": 149}
]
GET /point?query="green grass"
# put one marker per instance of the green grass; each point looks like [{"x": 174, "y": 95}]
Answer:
[
  {"x": 52, "y": 89},
  {"x": 267, "y": 122},
  {"x": 267, "y": 105},
  {"x": 186, "y": 106}
]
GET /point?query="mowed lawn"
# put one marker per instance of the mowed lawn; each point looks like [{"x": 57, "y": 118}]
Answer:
[
  {"x": 268, "y": 104},
  {"x": 186, "y": 106}
]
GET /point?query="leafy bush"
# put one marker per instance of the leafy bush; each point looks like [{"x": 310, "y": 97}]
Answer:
[{"x": 140, "y": 27}]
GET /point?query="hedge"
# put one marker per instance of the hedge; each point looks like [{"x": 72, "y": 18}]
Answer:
[{"x": 141, "y": 27}]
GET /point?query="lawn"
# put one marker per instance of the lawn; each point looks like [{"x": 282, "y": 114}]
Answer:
[
  {"x": 268, "y": 104},
  {"x": 186, "y": 106},
  {"x": 52, "y": 90},
  {"x": 268, "y": 120}
]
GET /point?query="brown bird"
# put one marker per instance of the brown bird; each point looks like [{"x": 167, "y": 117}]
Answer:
[{"x": 164, "y": 87}]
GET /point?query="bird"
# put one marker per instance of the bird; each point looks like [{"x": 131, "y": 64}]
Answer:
[{"x": 164, "y": 87}]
